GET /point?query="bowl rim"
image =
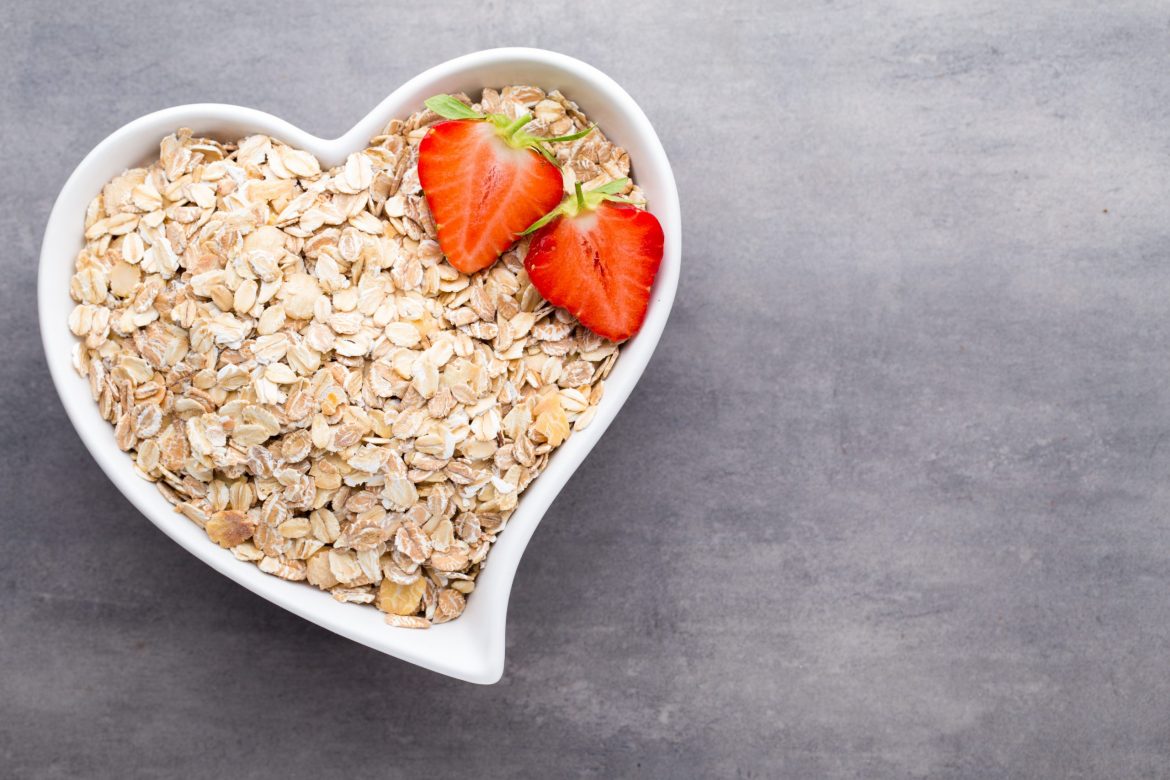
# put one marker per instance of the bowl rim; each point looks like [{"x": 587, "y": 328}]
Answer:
[{"x": 472, "y": 647}]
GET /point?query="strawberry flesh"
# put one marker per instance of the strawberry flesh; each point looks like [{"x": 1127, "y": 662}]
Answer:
[
  {"x": 599, "y": 264},
  {"x": 482, "y": 191}
]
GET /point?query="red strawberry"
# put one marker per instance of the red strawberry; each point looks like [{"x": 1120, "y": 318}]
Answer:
[
  {"x": 485, "y": 181},
  {"x": 597, "y": 256}
]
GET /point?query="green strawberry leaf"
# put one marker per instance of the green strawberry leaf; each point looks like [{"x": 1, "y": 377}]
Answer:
[
  {"x": 451, "y": 108},
  {"x": 547, "y": 218},
  {"x": 612, "y": 187},
  {"x": 571, "y": 137}
]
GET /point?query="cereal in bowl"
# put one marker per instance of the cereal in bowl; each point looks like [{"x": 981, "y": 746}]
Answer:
[{"x": 286, "y": 353}]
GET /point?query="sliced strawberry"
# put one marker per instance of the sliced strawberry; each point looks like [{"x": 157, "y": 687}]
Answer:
[
  {"x": 597, "y": 257},
  {"x": 485, "y": 181}
]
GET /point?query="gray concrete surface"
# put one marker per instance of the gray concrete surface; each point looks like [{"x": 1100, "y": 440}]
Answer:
[{"x": 890, "y": 500}]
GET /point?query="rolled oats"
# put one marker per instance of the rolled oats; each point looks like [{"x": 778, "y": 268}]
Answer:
[{"x": 285, "y": 352}]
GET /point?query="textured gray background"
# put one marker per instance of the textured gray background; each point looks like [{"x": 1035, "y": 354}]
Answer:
[{"x": 890, "y": 500}]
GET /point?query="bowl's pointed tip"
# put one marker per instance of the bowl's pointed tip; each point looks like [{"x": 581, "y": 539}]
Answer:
[
  {"x": 488, "y": 665},
  {"x": 485, "y": 667},
  {"x": 491, "y": 674}
]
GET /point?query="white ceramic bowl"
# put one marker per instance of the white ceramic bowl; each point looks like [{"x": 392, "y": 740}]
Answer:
[{"x": 472, "y": 647}]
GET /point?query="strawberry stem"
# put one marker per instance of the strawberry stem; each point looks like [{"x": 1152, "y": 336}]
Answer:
[
  {"x": 509, "y": 130},
  {"x": 450, "y": 107},
  {"x": 582, "y": 200}
]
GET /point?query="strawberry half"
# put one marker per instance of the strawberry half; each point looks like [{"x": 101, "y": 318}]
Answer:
[
  {"x": 596, "y": 255},
  {"x": 485, "y": 181}
]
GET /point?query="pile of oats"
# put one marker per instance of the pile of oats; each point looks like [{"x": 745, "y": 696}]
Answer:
[{"x": 286, "y": 354}]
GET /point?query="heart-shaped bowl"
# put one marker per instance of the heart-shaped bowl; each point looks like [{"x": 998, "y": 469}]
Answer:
[{"x": 472, "y": 647}]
